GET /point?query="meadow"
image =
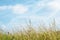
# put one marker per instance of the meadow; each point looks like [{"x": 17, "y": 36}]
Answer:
[{"x": 32, "y": 34}]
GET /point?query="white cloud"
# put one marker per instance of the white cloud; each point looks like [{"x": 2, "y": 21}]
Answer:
[
  {"x": 16, "y": 9},
  {"x": 40, "y": 4},
  {"x": 54, "y": 4},
  {"x": 19, "y": 9},
  {"x": 3, "y": 8}
]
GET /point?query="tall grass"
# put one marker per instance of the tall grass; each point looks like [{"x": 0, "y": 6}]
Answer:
[{"x": 32, "y": 34}]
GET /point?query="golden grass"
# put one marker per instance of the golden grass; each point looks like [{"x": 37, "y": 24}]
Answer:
[{"x": 31, "y": 34}]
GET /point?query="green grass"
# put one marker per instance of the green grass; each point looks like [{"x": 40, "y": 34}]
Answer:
[{"x": 32, "y": 34}]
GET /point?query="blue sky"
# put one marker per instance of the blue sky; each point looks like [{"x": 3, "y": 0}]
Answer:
[{"x": 18, "y": 12}]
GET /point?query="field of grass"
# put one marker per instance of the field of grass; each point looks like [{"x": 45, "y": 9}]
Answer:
[{"x": 31, "y": 34}]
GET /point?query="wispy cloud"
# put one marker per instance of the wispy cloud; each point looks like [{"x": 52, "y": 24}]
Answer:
[
  {"x": 19, "y": 9},
  {"x": 3, "y": 8},
  {"x": 16, "y": 9}
]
